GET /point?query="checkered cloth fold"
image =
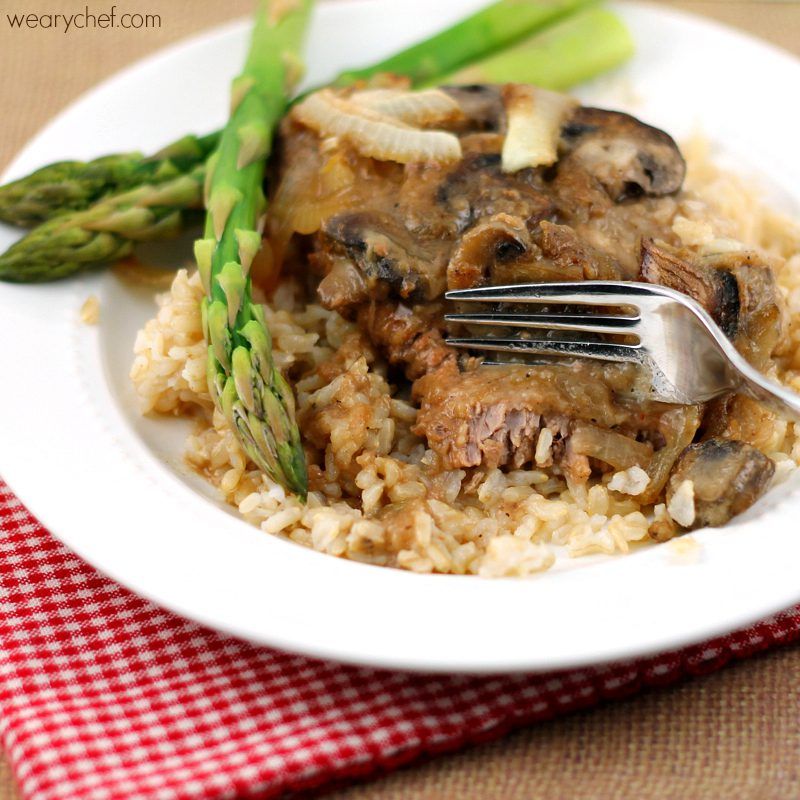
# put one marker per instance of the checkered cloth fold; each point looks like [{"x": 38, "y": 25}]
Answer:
[{"x": 104, "y": 695}]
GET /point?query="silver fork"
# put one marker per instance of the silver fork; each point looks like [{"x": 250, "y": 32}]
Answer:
[{"x": 689, "y": 357}]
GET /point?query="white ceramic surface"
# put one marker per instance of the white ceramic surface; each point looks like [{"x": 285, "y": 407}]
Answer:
[{"x": 111, "y": 485}]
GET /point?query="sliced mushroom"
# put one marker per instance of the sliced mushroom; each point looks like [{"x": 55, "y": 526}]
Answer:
[
  {"x": 762, "y": 316},
  {"x": 627, "y": 157},
  {"x": 482, "y": 107},
  {"x": 500, "y": 250},
  {"x": 497, "y": 240},
  {"x": 386, "y": 252},
  {"x": 727, "y": 478},
  {"x": 716, "y": 290},
  {"x": 737, "y": 289},
  {"x": 478, "y": 188}
]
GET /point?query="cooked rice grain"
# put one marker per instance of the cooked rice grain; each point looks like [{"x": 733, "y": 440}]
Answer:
[{"x": 90, "y": 310}]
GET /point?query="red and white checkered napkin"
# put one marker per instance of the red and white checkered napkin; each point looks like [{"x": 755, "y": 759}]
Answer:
[{"x": 104, "y": 695}]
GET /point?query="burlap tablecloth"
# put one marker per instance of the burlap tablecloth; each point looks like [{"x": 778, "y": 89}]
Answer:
[{"x": 734, "y": 734}]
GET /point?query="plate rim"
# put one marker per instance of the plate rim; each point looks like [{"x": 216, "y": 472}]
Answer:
[{"x": 300, "y": 644}]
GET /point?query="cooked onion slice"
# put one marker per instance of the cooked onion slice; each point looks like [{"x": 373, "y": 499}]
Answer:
[
  {"x": 373, "y": 134},
  {"x": 307, "y": 196},
  {"x": 610, "y": 447},
  {"x": 534, "y": 119},
  {"x": 427, "y": 107}
]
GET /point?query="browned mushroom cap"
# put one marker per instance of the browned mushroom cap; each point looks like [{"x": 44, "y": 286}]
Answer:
[
  {"x": 383, "y": 249},
  {"x": 498, "y": 239},
  {"x": 762, "y": 315},
  {"x": 501, "y": 250},
  {"x": 728, "y": 477},
  {"x": 737, "y": 289},
  {"x": 627, "y": 157}
]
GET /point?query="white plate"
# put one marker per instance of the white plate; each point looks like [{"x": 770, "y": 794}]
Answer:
[{"x": 112, "y": 487}]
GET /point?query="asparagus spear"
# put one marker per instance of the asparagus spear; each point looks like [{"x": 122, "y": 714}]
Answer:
[
  {"x": 573, "y": 50},
  {"x": 491, "y": 29},
  {"x": 74, "y": 185},
  {"x": 242, "y": 376},
  {"x": 104, "y": 232}
]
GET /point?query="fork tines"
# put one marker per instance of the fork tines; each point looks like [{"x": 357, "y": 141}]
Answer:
[{"x": 598, "y": 294}]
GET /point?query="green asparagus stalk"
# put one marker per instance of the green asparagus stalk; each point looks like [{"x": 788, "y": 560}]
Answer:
[
  {"x": 104, "y": 232},
  {"x": 75, "y": 185},
  {"x": 491, "y": 29},
  {"x": 573, "y": 50},
  {"x": 242, "y": 376}
]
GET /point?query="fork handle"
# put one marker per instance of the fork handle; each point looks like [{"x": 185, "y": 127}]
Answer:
[{"x": 776, "y": 397}]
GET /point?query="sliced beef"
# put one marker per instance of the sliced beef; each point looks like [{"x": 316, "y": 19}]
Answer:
[
  {"x": 493, "y": 415},
  {"x": 410, "y": 337},
  {"x": 499, "y": 436}
]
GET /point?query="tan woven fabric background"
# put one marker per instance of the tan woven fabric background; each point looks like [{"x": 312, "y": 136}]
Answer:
[{"x": 734, "y": 734}]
